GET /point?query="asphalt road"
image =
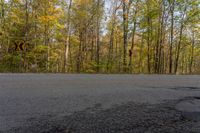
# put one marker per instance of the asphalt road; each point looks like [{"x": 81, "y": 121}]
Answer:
[{"x": 58, "y": 103}]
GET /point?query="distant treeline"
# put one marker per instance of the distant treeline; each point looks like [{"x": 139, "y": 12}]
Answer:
[{"x": 100, "y": 36}]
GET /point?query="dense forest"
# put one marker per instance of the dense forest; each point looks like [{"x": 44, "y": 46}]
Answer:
[{"x": 100, "y": 36}]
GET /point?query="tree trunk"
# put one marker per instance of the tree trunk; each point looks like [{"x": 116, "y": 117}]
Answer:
[
  {"x": 66, "y": 53},
  {"x": 141, "y": 57},
  {"x": 180, "y": 41},
  {"x": 149, "y": 28},
  {"x": 26, "y": 37},
  {"x": 172, "y": 38},
  {"x": 111, "y": 42},
  {"x": 79, "y": 56},
  {"x": 132, "y": 45},
  {"x": 98, "y": 38},
  {"x": 125, "y": 36},
  {"x": 192, "y": 53}
]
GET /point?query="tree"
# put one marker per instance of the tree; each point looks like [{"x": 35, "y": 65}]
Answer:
[
  {"x": 66, "y": 53},
  {"x": 97, "y": 36}
]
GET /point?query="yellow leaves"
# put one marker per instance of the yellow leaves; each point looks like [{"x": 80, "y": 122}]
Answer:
[
  {"x": 51, "y": 21},
  {"x": 54, "y": 10},
  {"x": 126, "y": 15},
  {"x": 17, "y": 1},
  {"x": 83, "y": 3},
  {"x": 60, "y": 26},
  {"x": 15, "y": 14},
  {"x": 14, "y": 17},
  {"x": 53, "y": 15},
  {"x": 46, "y": 19}
]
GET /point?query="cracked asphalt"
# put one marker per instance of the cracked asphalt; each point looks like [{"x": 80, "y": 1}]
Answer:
[{"x": 59, "y": 103}]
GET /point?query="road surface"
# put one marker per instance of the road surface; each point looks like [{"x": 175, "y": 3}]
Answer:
[{"x": 58, "y": 103}]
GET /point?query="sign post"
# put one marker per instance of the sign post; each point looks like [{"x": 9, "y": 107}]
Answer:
[{"x": 19, "y": 46}]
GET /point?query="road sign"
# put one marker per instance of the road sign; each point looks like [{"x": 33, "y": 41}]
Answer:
[{"x": 19, "y": 45}]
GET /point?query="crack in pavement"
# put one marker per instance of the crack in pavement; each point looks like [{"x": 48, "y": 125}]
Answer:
[{"x": 186, "y": 88}]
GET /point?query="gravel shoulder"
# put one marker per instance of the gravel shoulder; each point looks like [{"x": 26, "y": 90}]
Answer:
[{"x": 127, "y": 118}]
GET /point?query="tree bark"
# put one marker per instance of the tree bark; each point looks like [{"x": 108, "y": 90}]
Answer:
[
  {"x": 192, "y": 53},
  {"x": 98, "y": 37},
  {"x": 180, "y": 41},
  {"x": 125, "y": 35},
  {"x": 171, "y": 38},
  {"x": 66, "y": 52},
  {"x": 132, "y": 44}
]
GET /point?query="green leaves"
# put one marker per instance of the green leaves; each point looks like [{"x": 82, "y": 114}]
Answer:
[{"x": 75, "y": 36}]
